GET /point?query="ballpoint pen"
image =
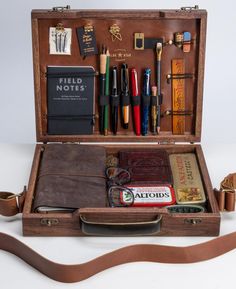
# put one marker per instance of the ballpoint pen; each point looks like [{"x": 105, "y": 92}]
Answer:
[
  {"x": 146, "y": 100},
  {"x": 125, "y": 97},
  {"x": 154, "y": 110},
  {"x": 159, "y": 52},
  {"x": 103, "y": 58},
  {"x": 114, "y": 100},
  {"x": 107, "y": 93},
  {"x": 135, "y": 101}
]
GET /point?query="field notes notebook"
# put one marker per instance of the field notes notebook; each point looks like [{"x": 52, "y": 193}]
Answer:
[{"x": 70, "y": 99}]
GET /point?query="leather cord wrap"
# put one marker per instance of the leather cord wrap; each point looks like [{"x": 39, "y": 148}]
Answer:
[{"x": 135, "y": 253}]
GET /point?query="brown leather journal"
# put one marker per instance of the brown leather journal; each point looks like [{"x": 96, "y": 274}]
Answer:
[
  {"x": 152, "y": 166},
  {"x": 71, "y": 177}
]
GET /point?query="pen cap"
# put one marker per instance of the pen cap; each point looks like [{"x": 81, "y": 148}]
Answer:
[
  {"x": 114, "y": 84},
  {"x": 134, "y": 82},
  {"x": 124, "y": 84},
  {"x": 147, "y": 82}
]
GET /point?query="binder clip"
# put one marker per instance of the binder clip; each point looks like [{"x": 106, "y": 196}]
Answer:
[
  {"x": 60, "y": 40},
  {"x": 179, "y": 39},
  {"x": 139, "y": 41},
  {"x": 115, "y": 32}
]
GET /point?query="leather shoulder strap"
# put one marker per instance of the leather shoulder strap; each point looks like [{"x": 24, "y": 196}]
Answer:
[{"x": 135, "y": 253}]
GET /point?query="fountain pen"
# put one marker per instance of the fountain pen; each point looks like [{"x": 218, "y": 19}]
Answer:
[
  {"x": 146, "y": 101},
  {"x": 114, "y": 100},
  {"x": 125, "y": 97}
]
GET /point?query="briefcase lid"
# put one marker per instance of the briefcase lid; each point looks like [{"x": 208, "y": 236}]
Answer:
[{"x": 182, "y": 90}]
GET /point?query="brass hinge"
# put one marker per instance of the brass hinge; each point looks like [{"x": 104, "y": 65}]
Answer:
[
  {"x": 61, "y": 8},
  {"x": 189, "y": 8},
  {"x": 71, "y": 142},
  {"x": 166, "y": 142}
]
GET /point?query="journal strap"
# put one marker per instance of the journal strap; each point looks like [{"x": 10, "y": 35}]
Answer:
[{"x": 135, "y": 253}]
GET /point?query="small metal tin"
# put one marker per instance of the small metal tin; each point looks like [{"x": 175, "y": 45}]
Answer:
[
  {"x": 185, "y": 209},
  {"x": 188, "y": 184},
  {"x": 150, "y": 195}
]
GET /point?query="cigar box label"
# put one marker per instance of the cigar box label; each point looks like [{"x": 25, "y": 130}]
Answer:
[
  {"x": 145, "y": 196},
  {"x": 187, "y": 179}
]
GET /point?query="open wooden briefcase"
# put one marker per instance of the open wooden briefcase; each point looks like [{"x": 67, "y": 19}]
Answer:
[{"x": 131, "y": 37}]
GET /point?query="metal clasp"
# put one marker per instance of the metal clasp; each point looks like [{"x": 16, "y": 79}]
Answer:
[
  {"x": 49, "y": 222},
  {"x": 61, "y": 8},
  {"x": 189, "y": 8},
  {"x": 193, "y": 221}
]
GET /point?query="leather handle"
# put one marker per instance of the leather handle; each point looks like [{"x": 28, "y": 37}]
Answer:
[{"x": 121, "y": 229}]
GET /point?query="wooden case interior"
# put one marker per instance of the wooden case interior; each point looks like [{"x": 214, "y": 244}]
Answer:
[
  {"x": 113, "y": 149},
  {"x": 154, "y": 24}
]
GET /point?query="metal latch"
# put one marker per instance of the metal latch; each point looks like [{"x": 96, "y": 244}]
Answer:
[
  {"x": 189, "y": 8},
  {"x": 49, "y": 222},
  {"x": 193, "y": 221},
  {"x": 61, "y": 8}
]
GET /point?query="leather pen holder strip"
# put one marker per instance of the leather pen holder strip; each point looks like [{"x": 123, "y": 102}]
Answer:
[
  {"x": 115, "y": 101},
  {"x": 136, "y": 100},
  {"x": 125, "y": 99},
  {"x": 103, "y": 100},
  {"x": 146, "y": 100}
]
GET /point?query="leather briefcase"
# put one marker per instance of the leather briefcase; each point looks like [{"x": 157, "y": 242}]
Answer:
[{"x": 130, "y": 36}]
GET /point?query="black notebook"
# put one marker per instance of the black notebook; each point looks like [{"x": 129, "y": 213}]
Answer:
[{"x": 70, "y": 99}]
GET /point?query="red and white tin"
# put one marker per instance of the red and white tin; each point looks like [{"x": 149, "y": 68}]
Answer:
[{"x": 149, "y": 196}]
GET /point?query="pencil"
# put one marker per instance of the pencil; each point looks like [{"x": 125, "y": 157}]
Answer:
[
  {"x": 107, "y": 92},
  {"x": 102, "y": 89}
]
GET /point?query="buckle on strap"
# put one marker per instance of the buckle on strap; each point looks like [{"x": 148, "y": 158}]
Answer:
[
  {"x": 12, "y": 196},
  {"x": 11, "y": 204}
]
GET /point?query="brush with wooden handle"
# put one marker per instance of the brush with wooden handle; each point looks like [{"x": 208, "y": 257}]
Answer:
[{"x": 159, "y": 47}]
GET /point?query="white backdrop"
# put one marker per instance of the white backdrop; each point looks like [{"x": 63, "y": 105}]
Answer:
[
  {"x": 17, "y": 125},
  {"x": 17, "y": 121}
]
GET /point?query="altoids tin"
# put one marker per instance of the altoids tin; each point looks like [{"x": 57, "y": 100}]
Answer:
[{"x": 149, "y": 196}]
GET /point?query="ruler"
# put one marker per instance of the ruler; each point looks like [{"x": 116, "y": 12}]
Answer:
[{"x": 178, "y": 97}]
